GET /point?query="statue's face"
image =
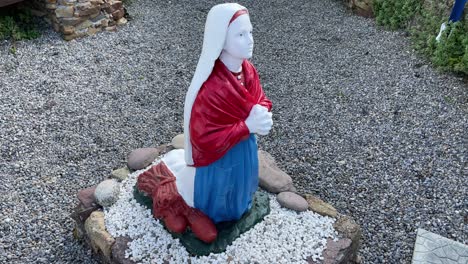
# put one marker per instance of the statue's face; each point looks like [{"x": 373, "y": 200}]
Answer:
[{"x": 239, "y": 40}]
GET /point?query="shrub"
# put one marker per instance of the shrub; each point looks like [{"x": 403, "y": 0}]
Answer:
[
  {"x": 395, "y": 14},
  {"x": 17, "y": 24},
  {"x": 422, "y": 18}
]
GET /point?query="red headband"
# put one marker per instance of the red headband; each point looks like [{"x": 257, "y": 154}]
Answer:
[{"x": 238, "y": 13}]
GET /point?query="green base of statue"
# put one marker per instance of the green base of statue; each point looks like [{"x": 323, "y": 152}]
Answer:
[{"x": 227, "y": 231}]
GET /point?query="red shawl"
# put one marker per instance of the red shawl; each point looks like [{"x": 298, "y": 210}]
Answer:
[{"x": 219, "y": 111}]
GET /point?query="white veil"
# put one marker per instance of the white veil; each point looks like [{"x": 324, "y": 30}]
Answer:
[{"x": 217, "y": 23}]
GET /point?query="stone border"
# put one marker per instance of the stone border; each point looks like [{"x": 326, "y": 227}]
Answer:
[
  {"x": 90, "y": 227},
  {"x": 92, "y": 232},
  {"x": 80, "y": 18}
]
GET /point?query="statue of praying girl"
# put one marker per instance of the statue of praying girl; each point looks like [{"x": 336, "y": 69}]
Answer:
[{"x": 214, "y": 178}]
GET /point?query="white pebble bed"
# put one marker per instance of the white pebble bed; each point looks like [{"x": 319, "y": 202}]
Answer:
[{"x": 284, "y": 236}]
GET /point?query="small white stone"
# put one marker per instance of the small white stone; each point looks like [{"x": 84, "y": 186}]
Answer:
[{"x": 122, "y": 21}]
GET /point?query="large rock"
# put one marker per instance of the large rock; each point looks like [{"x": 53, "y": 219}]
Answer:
[
  {"x": 141, "y": 158},
  {"x": 349, "y": 229},
  {"x": 87, "y": 205},
  {"x": 178, "y": 141},
  {"x": 271, "y": 178},
  {"x": 67, "y": 30},
  {"x": 120, "y": 174},
  {"x": 86, "y": 9},
  {"x": 71, "y": 21},
  {"x": 99, "y": 238},
  {"x": 320, "y": 207},
  {"x": 80, "y": 214},
  {"x": 361, "y": 7},
  {"x": 111, "y": 6},
  {"x": 118, "y": 251},
  {"x": 64, "y": 11},
  {"x": 337, "y": 252},
  {"x": 107, "y": 192},
  {"x": 118, "y": 15},
  {"x": 84, "y": 25},
  {"x": 345, "y": 249},
  {"x": 163, "y": 149},
  {"x": 292, "y": 201},
  {"x": 86, "y": 196},
  {"x": 67, "y": 2}
]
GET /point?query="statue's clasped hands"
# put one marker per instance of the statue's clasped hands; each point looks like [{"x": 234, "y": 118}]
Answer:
[{"x": 260, "y": 120}]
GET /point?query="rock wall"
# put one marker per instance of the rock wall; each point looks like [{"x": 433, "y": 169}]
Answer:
[
  {"x": 79, "y": 18},
  {"x": 361, "y": 7}
]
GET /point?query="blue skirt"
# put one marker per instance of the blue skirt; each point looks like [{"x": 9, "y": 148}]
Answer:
[{"x": 224, "y": 189}]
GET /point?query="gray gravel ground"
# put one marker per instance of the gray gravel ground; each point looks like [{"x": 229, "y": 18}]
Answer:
[{"x": 360, "y": 120}]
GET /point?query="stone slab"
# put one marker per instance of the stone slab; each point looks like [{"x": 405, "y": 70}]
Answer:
[{"x": 433, "y": 248}]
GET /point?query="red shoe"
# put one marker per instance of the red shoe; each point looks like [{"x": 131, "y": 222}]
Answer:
[
  {"x": 169, "y": 205},
  {"x": 176, "y": 223},
  {"x": 201, "y": 225}
]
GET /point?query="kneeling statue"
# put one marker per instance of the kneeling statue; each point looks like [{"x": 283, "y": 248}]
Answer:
[{"x": 214, "y": 178}]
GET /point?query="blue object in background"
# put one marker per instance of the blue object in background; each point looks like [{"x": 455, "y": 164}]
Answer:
[{"x": 457, "y": 10}]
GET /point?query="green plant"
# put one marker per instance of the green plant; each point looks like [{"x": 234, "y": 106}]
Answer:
[
  {"x": 395, "y": 14},
  {"x": 449, "y": 52},
  {"x": 422, "y": 19},
  {"x": 464, "y": 61},
  {"x": 13, "y": 50},
  {"x": 17, "y": 24}
]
